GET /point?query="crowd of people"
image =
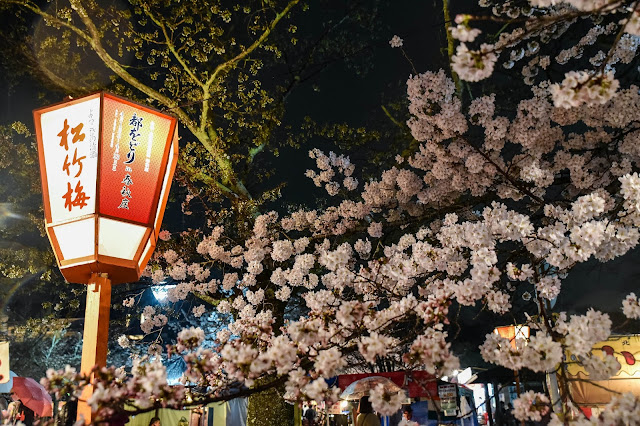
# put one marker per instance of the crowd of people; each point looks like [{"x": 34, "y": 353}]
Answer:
[
  {"x": 363, "y": 416},
  {"x": 14, "y": 411}
]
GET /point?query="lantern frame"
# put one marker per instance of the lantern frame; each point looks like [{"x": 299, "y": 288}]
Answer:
[{"x": 120, "y": 270}]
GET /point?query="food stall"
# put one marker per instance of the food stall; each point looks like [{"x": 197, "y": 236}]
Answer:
[
  {"x": 432, "y": 401},
  {"x": 592, "y": 395}
]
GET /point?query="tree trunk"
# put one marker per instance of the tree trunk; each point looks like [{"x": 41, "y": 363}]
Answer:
[{"x": 268, "y": 408}]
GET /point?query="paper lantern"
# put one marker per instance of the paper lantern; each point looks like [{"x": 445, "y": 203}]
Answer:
[
  {"x": 585, "y": 391},
  {"x": 513, "y": 333},
  {"x": 106, "y": 165}
]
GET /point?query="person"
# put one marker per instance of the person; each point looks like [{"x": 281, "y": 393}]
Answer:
[
  {"x": 17, "y": 411},
  {"x": 4, "y": 404},
  {"x": 70, "y": 413},
  {"x": 407, "y": 413},
  {"x": 509, "y": 418},
  {"x": 310, "y": 415},
  {"x": 155, "y": 421},
  {"x": 28, "y": 415},
  {"x": 11, "y": 414},
  {"x": 366, "y": 416},
  {"x": 196, "y": 416}
]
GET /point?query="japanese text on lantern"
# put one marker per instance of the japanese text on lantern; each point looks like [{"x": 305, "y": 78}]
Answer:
[
  {"x": 135, "y": 124},
  {"x": 75, "y": 196},
  {"x": 116, "y": 153}
]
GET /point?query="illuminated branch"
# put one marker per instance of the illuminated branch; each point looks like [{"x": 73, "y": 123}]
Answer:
[{"x": 172, "y": 48}]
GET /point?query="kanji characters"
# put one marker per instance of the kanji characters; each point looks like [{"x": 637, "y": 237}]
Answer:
[
  {"x": 136, "y": 123},
  {"x": 64, "y": 134},
  {"x": 80, "y": 199},
  {"x": 77, "y": 136},
  {"x": 125, "y": 192},
  {"x": 76, "y": 160},
  {"x": 124, "y": 204}
]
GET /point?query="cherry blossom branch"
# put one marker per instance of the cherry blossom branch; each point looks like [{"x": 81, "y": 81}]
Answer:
[{"x": 504, "y": 173}]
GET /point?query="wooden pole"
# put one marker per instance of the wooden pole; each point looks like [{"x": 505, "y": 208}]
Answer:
[
  {"x": 487, "y": 403},
  {"x": 517, "y": 377},
  {"x": 96, "y": 335}
]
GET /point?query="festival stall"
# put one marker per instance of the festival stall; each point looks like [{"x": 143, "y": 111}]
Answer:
[
  {"x": 229, "y": 413},
  {"x": 591, "y": 395},
  {"x": 432, "y": 401}
]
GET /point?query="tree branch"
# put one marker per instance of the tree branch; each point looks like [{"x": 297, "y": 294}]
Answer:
[
  {"x": 172, "y": 48},
  {"x": 231, "y": 62}
]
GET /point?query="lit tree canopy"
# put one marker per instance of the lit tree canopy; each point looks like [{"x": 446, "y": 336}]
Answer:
[{"x": 229, "y": 95}]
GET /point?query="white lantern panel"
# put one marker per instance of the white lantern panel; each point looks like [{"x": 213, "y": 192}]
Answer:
[
  {"x": 119, "y": 239},
  {"x": 145, "y": 253},
  {"x": 70, "y": 143},
  {"x": 76, "y": 239}
]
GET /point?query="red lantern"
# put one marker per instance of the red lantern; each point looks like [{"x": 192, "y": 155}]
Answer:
[{"x": 513, "y": 333}]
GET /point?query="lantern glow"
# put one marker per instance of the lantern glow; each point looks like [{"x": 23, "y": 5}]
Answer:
[{"x": 514, "y": 333}]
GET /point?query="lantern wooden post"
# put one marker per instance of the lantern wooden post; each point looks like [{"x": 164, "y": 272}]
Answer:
[{"x": 95, "y": 336}]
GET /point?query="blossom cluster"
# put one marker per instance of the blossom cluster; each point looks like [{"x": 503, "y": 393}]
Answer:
[
  {"x": 386, "y": 403},
  {"x": 581, "y": 87},
  {"x": 600, "y": 368},
  {"x": 331, "y": 166},
  {"x": 631, "y": 307},
  {"x": 531, "y": 405},
  {"x": 473, "y": 65}
]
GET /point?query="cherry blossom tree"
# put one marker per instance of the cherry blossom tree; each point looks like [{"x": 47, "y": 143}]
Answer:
[{"x": 492, "y": 201}]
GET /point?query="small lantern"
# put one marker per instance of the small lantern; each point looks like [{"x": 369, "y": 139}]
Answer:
[
  {"x": 514, "y": 333},
  {"x": 106, "y": 165}
]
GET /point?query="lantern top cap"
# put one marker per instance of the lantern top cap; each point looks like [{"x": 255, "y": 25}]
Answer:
[{"x": 69, "y": 100}]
